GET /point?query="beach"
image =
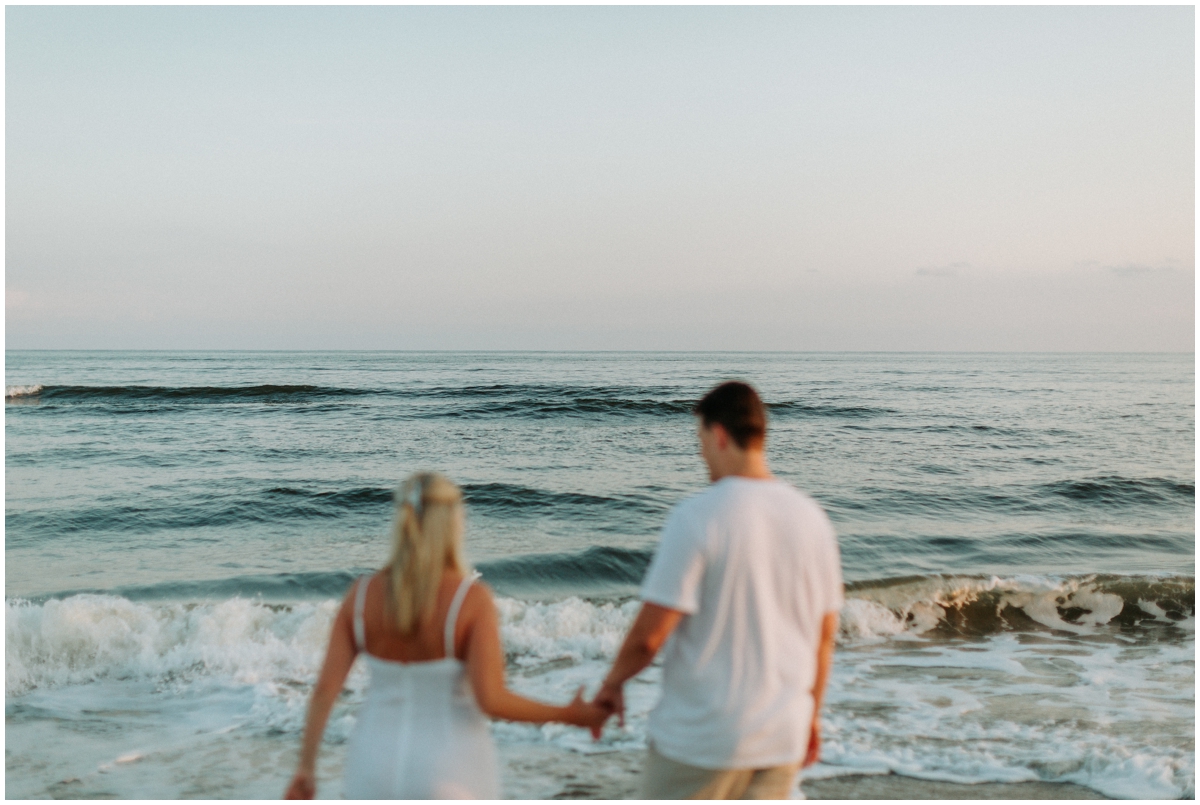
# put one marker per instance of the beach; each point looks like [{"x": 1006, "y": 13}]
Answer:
[
  {"x": 1017, "y": 538},
  {"x": 615, "y": 776},
  {"x": 234, "y": 770}
]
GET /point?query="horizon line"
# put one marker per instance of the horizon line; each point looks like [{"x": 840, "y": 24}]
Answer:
[{"x": 628, "y": 351}]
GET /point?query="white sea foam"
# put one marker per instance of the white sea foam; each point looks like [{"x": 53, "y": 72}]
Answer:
[
  {"x": 573, "y": 628},
  {"x": 1115, "y": 716},
  {"x": 89, "y": 637},
  {"x": 13, "y": 392},
  {"x": 1113, "y": 713}
]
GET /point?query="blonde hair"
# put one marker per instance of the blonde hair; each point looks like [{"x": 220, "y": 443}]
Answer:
[{"x": 427, "y": 539}]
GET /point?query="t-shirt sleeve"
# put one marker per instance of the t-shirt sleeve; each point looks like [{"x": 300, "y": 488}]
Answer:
[{"x": 675, "y": 573}]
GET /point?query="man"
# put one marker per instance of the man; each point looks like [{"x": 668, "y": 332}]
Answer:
[{"x": 747, "y": 585}]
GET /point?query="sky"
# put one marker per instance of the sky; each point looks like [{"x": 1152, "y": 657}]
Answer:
[{"x": 595, "y": 178}]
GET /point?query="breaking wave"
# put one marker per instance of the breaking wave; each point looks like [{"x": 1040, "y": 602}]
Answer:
[
  {"x": 972, "y": 606},
  {"x": 84, "y": 636},
  {"x": 16, "y": 392},
  {"x": 275, "y": 651}
]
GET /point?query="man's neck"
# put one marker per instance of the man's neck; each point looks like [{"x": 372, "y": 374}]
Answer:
[{"x": 751, "y": 464}]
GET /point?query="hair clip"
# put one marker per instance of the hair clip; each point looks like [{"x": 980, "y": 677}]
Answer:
[{"x": 415, "y": 493}]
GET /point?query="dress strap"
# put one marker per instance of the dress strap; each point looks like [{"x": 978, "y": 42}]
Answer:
[
  {"x": 360, "y": 600},
  {"x": 455, "y": 605}
]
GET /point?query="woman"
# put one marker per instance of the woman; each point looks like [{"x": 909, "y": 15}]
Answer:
[{"x": 431, "y": 639}]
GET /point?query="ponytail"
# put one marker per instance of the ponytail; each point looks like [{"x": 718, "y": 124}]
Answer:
[{"x": 427, "y": 539}]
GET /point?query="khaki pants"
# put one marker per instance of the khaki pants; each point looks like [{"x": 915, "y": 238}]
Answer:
[{"x": 663, "y": 778}]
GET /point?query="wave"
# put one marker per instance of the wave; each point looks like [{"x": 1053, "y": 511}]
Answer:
[
  {"x": 258, "y": 661},
  {"x": 975, "y": 606},
  {"x": 1116, "y": 490},
  {"x": 600, "y": 570},
  {"x": 194, "y": 393},
  {"x": 948, "y": 500},
  {"x": 827, "y": 410},
  {"x": 550, "y": 400},
  {"x": 85, "y": 636},
  {"x": 950, "y": 605},
  {"x": 580, "y": 406},
  {"x": 471, "y": 402},
  {"x": 89, "y": 637},
  {"x": 339, "y": 499},
  {"x": 214, "y": 510},
  {"x": 225, "y": 505},
  {"x": 272, "y": 587},
  {"x": 508, "y": 498},
  {"x": 619, "y": 513},
  {"x": 16, "y": 392},
  {"x": 513, "y": 497},
  {"x": 665, "y": 400}
]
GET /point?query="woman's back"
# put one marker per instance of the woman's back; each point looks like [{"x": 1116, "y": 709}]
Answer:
[
  {"x": 383, "y": 637},
  {"x": 420, "y": 733}
]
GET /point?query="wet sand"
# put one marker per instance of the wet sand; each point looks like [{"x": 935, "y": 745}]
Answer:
[
  {"x": 258, "y": 767},
  {"x": 893, "y": 786},
  {"x": 551, "y": 773}
]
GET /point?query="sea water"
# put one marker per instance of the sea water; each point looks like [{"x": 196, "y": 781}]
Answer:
[{"x": 1017, "y": 536}]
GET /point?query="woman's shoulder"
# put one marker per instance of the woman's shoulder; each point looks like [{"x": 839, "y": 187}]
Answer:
[
  {"x": 360, "y": 583},
  {"x": 479, "y": 597},
  {"x": 364, "y": 581}
]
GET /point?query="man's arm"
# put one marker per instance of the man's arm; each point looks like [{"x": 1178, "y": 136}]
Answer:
[
  {"x": 829, "y": 625},
  {"x": 647, "y": 635}
]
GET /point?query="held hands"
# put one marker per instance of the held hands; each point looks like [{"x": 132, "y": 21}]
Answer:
[
  {"x": 303, "y": 786},
  {"x": 611, "y": 699},
  {"x": 586, "y": 714}
]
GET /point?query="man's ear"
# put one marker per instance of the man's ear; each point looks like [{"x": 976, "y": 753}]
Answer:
[{"x": 722, "y": 435}]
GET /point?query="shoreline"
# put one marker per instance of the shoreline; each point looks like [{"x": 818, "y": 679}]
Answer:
[{"x": 540, "y": 772}]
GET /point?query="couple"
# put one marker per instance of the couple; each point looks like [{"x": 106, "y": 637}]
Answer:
[{"x": 746, "y": 581}]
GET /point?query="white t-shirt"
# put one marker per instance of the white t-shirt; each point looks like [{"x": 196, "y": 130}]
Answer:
[{"x": 754, "y": 565}]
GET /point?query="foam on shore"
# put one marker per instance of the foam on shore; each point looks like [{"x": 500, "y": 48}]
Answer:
[{"x": 960, "y": 681}]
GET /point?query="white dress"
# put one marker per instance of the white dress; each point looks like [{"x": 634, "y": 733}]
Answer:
[{"x": 420, "y": 734}]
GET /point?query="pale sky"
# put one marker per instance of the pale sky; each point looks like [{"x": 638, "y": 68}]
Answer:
[{"x": 778, "y": 178}]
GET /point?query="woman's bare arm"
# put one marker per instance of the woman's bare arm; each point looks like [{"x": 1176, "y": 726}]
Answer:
[
  {"x": 338, "y": 660},
  {"x": 485, "y": 666}
]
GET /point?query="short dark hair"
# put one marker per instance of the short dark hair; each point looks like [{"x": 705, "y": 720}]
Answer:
[{"x": 736, "y": 407}]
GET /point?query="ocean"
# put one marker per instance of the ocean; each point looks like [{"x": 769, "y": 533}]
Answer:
[{"x": 1017, "y": 536}]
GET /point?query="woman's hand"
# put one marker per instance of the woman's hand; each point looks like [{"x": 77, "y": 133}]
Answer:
[
  {"x": 338, "y": 659},
  {"x": 303, "y": 786},
  {"x": 583, "y": 713}
]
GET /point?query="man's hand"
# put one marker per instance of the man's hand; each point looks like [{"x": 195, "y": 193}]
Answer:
[
  {"x": 814, "y": 744},
  {"x": 587, "y": 714},
  {"x": 611, "y": 698},
  {"x": 829, "y": 627}
]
